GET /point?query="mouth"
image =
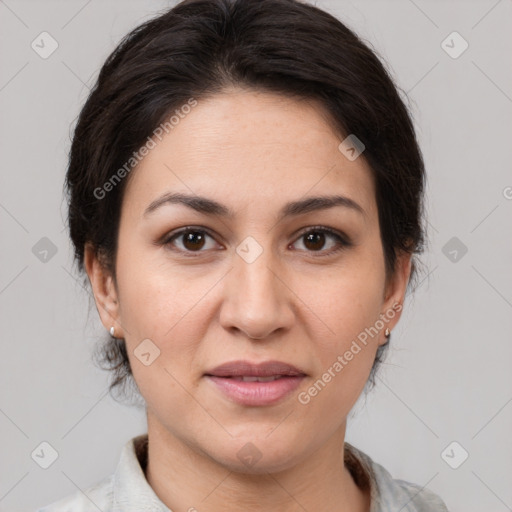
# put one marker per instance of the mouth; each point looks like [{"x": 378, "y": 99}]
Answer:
[
  {"x": 252, "y": 378},
  {"x": 255, "y": 384}
]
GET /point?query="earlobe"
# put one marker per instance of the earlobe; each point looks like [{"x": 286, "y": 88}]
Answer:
[{"x": 103, "y": 289}]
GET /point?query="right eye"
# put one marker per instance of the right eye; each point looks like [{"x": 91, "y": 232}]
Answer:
[{"x": 192, "y": 240}]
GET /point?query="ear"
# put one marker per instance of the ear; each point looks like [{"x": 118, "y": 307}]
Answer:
[
  {"x": 104, "y": 290},
  {"x": 394, "y": 293}
]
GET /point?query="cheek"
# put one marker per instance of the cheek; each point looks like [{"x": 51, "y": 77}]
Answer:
[
  {"x": 346, "y": 355},
  {"x": 347, "y": 301},
  {"x": 156, "y": 295},
  {"x": 156, "y": 311},
  {"x": 349, "y": 307},
  {"x": 167, "y": 305}
]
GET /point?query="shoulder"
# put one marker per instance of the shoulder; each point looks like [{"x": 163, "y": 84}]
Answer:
[
  {"x": 389, "y": 494},
  {"x": 125, "y": 489},
  {"x": 96, "y": 497},
  {"x": 419, "y": 498}
]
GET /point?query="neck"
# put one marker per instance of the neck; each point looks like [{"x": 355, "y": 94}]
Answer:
[{"x": 186, "y": 479}]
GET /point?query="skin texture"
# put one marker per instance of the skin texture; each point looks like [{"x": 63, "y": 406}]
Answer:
[{"x": 253, "y": 152}]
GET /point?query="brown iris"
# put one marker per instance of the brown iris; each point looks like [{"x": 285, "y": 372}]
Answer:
[
  {"x": 195, "y": 239},
  {"x": 314, "y": 238}
]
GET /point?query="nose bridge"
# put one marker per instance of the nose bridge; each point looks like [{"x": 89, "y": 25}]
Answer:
[
  {"x": 253, "y": 270},
  {"x": 256, "y": 299},
  {"x": 257, "y": 277}
]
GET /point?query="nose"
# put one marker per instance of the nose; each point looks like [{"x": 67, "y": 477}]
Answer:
[{"x": 256, "y": 298}]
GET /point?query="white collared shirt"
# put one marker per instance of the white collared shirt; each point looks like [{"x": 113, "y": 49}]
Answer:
[{"x": 127, "y": 490}]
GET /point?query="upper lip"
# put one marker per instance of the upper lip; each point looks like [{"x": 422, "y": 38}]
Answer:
[{"x": 249, "y": 369}]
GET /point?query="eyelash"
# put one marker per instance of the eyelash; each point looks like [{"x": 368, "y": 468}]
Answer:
[{"x": 343, "y": 241}]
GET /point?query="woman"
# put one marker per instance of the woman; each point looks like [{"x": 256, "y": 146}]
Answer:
[{"x": 245, "y": 197}]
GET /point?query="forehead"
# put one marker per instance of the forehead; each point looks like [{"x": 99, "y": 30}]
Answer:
[{"x": 244, "y": 147}]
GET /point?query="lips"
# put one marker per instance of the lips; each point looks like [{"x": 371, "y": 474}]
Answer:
[
  {"x": 246, "y": 369},
  {"x": 256, "y": 384}
]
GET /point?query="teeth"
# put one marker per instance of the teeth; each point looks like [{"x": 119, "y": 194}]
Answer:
[{"x": 258, "y": 379}]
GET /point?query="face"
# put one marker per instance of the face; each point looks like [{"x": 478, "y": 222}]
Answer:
[{"x": 261, "y": 283}]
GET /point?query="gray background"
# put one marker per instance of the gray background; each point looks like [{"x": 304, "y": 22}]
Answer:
[{"x": 447, "y": 377}]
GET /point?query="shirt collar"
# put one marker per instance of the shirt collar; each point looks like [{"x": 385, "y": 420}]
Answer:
[
  {"x": 132, "y": 492},
  {"x": 386, "y": 493}
]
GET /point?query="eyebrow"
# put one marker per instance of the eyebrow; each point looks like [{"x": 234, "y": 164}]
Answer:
[{"x": 210, "y": 207}]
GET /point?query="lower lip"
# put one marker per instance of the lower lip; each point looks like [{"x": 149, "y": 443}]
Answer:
[{"x": 256, "y": 393}]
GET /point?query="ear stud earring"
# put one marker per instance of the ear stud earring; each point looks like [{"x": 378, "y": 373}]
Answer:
[
  {"x": 112, "y": 331},
  {"x": 387, "y": 333}
]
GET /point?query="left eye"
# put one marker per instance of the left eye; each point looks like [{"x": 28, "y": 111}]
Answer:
[
  {"x": 193, "y": 240},
  {"x": 315, "y": 237}
]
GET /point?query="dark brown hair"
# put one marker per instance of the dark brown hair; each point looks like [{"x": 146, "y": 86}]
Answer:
[{"x": 198, "y": 49}]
